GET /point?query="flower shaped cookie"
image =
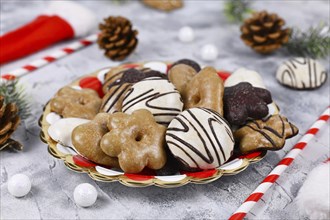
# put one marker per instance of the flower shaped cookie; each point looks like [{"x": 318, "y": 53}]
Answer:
[
  {"x": 69, "y": 102},
  {"x": 86, "y": 139},
  {"x": 136, "y": 140}
]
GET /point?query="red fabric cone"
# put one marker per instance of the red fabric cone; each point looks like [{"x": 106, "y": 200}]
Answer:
[
  {"x": 40, "y": 33},
  {"x": 62, "y": 20}
]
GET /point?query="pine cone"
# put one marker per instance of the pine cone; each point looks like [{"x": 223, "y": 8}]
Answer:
[
  {"x": 9, "y": 121},
  {"x": 164, "y": 5},
  {"x": 117, "y": 37},
  {"x": 263, "y": 32}
]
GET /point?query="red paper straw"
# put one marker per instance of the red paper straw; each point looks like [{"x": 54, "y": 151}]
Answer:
[
  {"x": 73, "y": 47},
  {"x": 280, "y": 168}
]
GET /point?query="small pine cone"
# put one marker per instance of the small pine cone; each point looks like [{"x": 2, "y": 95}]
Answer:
[
  {"x": 164, "y": 5},
  {"x": 263, "y": 32},
  {"x": 117, "y": 37},
  {"x": 9, "y": 121}
]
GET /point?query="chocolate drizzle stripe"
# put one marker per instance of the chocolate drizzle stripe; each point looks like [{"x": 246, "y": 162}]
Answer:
[
  {"x": 292, "y": 128},
  {"x": 192, "y": 148},
  {"x": 201, "y": 138},
  {"x": 136, "y": 99},
  {"x": 315, "y": 73},
  {"x": 185, "y": 127},
  {"x": 116, "y": 98},
  {"x": 221, "y": 120},
  {"x": 165, "y": 114},
  {"x": 283, "y": 126},
  {"x": 127, "y": 94},
  {"x": 273, "y": 131},
  {"x": 110, "y": 78},
  {"x": 309, "y": 73},
  {"x": 210, "y": 120},
  {"x": 263, "y": 134},
  {"x": 206, "y": 133},
  {"x": 161, "y": 108},
  {"x": 291, "y": 75},
  {"x": 185, "y": 152}
]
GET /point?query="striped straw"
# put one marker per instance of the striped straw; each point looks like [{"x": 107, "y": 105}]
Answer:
[
  {"x": 50, "y": 58},
  {"x": 280, "y": 168}
]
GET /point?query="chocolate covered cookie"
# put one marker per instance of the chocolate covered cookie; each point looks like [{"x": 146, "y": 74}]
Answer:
[
  {"x": 188, "y": 62},
  {"x": 243, "y": 101}
]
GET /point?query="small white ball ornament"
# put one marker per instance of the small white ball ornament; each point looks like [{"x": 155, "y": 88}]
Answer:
[
  {"x": 186, "y": 34},
  {"x": 85, "y": 195},
  {"x": 209, "y": 52},
  {"x": 19, "y": 185}
]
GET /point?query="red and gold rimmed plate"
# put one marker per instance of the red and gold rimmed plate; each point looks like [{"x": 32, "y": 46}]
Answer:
[{"x": 78, "y": 163}]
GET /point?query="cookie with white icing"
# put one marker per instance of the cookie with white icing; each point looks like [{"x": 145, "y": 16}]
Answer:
[
  {"x": 301, "y": 73},
  {"x": 155, "y": 94},
  {"x": 200, "y": 138},
  {"x": 119, "y": 83},
  {"x": 245, "y": 75}
]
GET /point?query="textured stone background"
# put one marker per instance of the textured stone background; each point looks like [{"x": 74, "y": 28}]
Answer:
[{"x": 51, "y": 196}]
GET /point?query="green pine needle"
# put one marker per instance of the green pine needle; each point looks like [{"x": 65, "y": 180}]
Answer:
[
  {"x": 314, "y": 43},
  {"x": 14, "y": 93},
  {"x": 119, "y": 2},
  {"x": 237, "y": 10}
]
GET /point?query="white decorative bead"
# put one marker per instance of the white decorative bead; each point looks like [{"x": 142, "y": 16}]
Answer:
[
  {"x": 186, "y": 34},
  {"x": 209, "y": 52},
  {"x": 156, "y": 65},
  {"x": 85, "y": 195},
  {"x": 19, "y": 185}
]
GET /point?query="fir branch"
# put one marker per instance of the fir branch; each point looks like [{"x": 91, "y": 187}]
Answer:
[
  {"x": 119, "y": 2},
  {"x": 237, "y": 10},
  {"x": 314, "y": 43},
  {"x": 14, "y": 93}
]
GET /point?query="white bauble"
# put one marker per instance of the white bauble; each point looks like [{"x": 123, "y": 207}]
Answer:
[
  {"x": 209, "y": 52},
  {"x": 19, "y": 185},
  {"x": 85, "y": 195},
  {"x": 186, "y": 34}
]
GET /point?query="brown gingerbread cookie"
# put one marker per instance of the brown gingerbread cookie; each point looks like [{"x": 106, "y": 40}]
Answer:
[
  {"x": 136, "y": 139},
  {"x": 70, "y": 102},
  {"x": 86, "y": 139},
  {"x": 269, "y": 134},
  {"x": 205, "y": 90},
  {"x": 180, "y": 75}
]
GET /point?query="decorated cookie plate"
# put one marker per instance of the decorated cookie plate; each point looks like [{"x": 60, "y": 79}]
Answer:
[{"x": 60, "y": 145}]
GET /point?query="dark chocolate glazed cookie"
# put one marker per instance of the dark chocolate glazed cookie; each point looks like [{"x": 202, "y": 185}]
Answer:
[
  {"x": 244, "y": 101},
  {"x": 188, "y": 62}
]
